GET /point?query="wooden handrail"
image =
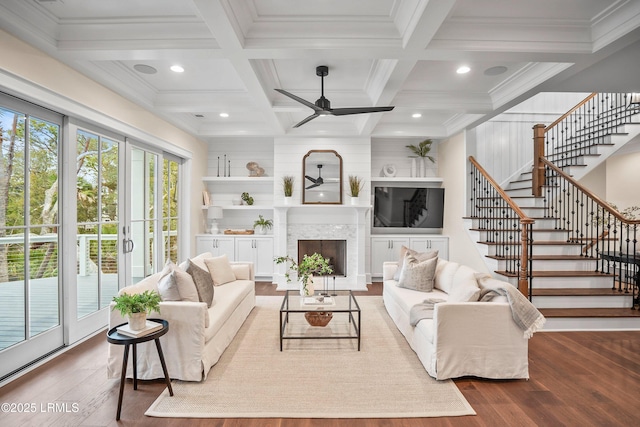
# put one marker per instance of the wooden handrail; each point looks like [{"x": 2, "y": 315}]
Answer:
[
  {"x": 523, "y": 217},
  {"x": 564, "y": 116},
  {"x": 589, "y": 193}
]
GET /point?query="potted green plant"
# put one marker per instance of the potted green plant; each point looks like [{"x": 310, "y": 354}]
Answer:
[
  {"x": 287, "y": 188},
  {"x": 136, "y": 307},
  {"x": 421, "y": 151},
  {"x": 261, "y": 225},
  {"x": 247, "y": 198},
  {"x": 355, "y": 186},
  {"x": 310, "y": 264}
]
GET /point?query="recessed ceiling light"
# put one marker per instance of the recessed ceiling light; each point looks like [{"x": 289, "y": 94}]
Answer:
[
  {"x": 416, "y": 115},
  {"x": 177, "y": 69},
  {"x": 463, "y": 69},
  {"x": 495, "y": 71},
  {"x": 225, "y": 115},
  {"x": 145, "y": 69}
]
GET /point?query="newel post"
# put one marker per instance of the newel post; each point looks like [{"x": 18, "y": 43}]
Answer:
[{"x": 538, "y": 152}]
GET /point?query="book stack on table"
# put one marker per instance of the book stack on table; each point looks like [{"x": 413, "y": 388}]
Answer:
[{"x": 150, "y": 327}]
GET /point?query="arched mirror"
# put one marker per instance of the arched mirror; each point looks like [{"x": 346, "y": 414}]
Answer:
[{"x": 322, "y": 177}]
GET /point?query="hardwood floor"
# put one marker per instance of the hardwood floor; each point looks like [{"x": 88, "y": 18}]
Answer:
[{"x": 577, "y": 379}]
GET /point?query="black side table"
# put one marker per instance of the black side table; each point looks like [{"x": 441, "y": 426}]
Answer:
[{"x": 120, "y": 339}]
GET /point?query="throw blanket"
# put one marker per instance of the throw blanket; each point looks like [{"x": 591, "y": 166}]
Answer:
[
  {"x": 525, "y": 314},
  {"x": 423, "y": 310}
]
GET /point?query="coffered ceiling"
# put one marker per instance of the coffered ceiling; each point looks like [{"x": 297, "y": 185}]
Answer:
[{"x": 379, "y": 52}]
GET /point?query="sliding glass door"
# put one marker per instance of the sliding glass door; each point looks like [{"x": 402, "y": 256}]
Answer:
[{"x": 30, "y": 285}]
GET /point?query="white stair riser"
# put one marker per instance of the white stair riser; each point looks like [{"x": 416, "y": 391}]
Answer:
[
  {"x": 540, "y": 250},
  {"x": 617, "y": 301},
  {"x": 572, "y": 282},
  {"x": 591, "y": 323},
  {"x": 557, "y": 265},
  {"x": 537, "y": 235},
  {"x": 541, "y": 223}
]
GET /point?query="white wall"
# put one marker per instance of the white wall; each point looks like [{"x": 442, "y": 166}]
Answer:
[
  {"x": 622, "y": 179},
  {"x": 452, "y": 166},
  {"x": 31, "y": 74}
]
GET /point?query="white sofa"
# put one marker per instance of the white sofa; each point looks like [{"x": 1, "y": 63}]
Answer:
[
  {"x": 197, "y": 335},
  {"x": 462, "y": 338}
]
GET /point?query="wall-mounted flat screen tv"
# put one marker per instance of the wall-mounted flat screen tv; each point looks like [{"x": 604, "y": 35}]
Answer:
[{"x": 403, "y": 208}]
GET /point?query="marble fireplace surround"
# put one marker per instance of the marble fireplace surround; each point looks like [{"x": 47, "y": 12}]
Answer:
[{"x": 322, "y": 222}]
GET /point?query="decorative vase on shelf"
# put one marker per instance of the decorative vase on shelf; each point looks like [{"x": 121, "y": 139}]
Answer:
[
  {"x": 308, "y": 289},
  {"x": 355, "y": 201},
  {"x": 261, "y": 229},
  {"x": 287, "y": 200},
  {"x": 414, "y": 167},
  {"x": 421, "y": 167}
]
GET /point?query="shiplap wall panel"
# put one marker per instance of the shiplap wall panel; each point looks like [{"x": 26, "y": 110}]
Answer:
[{"x": 394, "y": 151}]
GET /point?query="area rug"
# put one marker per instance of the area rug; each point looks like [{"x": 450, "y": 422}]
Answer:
[{"x": 315, "y": 378}]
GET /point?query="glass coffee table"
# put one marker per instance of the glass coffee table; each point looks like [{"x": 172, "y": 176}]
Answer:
[{"x": 334, "y": 303}]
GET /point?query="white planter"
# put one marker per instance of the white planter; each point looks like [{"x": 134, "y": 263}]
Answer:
[
  {"x": 137, "y": 321},
  {"x": 355, "y": 201},
  {"x": 287, "y": 200},
  {"x": 259, "y": 229},
  {"x": 309, "y": 290}
]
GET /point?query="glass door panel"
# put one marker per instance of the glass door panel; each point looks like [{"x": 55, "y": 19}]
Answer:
[{"x": 97, "y": 214}]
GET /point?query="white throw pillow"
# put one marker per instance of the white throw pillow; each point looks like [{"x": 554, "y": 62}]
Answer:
[
  {"x": 186, "y": 285},
  {"x": 420, "y": 256},
  {"x": 168, "y": 285},
  {"x": 220, "y": 270},
  {"x": 464, "y": 287},
  {"x": 418, "y": 275},
  {"x": 445, "y": 270}
]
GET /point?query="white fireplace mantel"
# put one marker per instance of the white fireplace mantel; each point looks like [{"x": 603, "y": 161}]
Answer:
[{"x": 350, "y": 222}]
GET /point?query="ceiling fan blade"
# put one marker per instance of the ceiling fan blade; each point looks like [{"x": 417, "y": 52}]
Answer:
[
  {"x": 358, "y": 110},
  {"x": 308, "y": 119},
  {"x": 312, "y": 186},
  {"x": 310, "y": 178},
  {"x": 300, "y": 100}
]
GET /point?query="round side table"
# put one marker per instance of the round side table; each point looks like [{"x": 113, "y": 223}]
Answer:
[{"x": 120, "y": 339}]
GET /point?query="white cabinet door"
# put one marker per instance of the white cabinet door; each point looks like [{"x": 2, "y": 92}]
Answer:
[
  {"x": 217, "y": 245},
  {"x": 385, "y": 249},
  {"x": 425, "y": 244},
  {"x": 259, "y": 251}
]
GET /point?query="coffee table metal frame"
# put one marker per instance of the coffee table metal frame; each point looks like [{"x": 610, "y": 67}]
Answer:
[{"x": 352, "y": 308}]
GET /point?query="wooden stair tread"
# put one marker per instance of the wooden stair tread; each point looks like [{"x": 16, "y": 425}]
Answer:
[
  {"x": 563, "y": 273},
  {"x": 589, "y": 312},
  {"x": 546, "y": 258},
  {"x": 535, "y": 242},
  {"x": 581, "y": 292}
]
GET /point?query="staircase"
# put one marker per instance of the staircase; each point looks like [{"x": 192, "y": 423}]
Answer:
[{"x": 568, "y": 281}]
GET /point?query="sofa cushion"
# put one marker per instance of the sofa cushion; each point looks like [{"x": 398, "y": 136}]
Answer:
[
  {"x": 417, "y": 275},
  {"x": 203, "y": 281},
  {"x": 227, "y": 299},
  {"x": 220, "y": 270},
  {"x": 421, "y": 256},
  {"x": 464, "y": 286},
  {"x": 241, "y": 271},
  {"x": 186, "y": 285},
  {"x": 445, "y": 270},
  {"x": 198, "y": 260},
  {"x": 149, "y": 283}
]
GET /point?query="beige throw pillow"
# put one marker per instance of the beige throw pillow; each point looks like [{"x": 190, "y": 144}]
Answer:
[
  {"x": 464, "y": 287},
  {"x": 420, "y": 256},
  {"x": 220, "y": 270},
  {"x": 418, "y": 275},
  {"x": 186, "y": 285},
  {"x": 203, "y": 281}
]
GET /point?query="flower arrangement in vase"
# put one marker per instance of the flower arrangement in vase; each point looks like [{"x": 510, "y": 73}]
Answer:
[
  {"x": 287, "y": 187},
  {"x": 261, "y": 225},
  {"x": 310, "y": 264},
  {"x": 421, "y": 151},
  {"x": 355, "y": 186}
]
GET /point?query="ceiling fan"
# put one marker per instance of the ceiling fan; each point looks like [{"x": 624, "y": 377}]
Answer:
[
  {"x": 316, "y": 181},
  {"x": 322, "y": 107}
]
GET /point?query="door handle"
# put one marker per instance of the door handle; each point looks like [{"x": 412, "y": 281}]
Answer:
[{"x": 127, "y": 245}]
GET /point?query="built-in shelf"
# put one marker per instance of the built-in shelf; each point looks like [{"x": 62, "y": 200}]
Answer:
[
  {"x": 243, "y": 179},
  {"x": 405, "y": 179}
]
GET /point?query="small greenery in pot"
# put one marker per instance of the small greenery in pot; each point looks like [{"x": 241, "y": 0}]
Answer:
[
  {"x": 355, "y": 185},
  {"x": 422, "y": 149},
  {"x": 287, "y": 185},
  {"x": 247, "y": 198},
  {"x": 311, "y": 264},
  {"x": 262, "y": 225},
  {"x": 133, "y": 305}
]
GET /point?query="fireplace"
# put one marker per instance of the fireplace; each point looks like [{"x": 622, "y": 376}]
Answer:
[{"x": 334, "y": 250}]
